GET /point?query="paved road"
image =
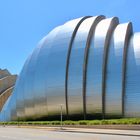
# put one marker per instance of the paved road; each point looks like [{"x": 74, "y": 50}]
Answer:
[{"x": 13, "y": 133}]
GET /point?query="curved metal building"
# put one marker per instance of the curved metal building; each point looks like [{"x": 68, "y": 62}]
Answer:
[
  {"x": 7, "y": 82},
  {"x": 89, "y": 65}
]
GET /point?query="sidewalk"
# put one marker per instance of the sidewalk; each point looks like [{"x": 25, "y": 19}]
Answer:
[
  {"x": 103, "y": 131},
  {"x": 85, "y": 130}
]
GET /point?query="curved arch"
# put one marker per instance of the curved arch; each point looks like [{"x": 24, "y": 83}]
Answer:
[
  {"x": 7, "y": 82},
  {"x": 95, "y": 67},
  {"x": 4, "y": 73},
  {"x": 58, "y": 60},
  {"x": 4, "y": 97},
  {"x": 114, "y": 69},
  {"x": 68, "y": 59},
  {"x": 132, "y": 88},
  {"x": 75, "y": 71},
  {"x": 90, "y": 34}
]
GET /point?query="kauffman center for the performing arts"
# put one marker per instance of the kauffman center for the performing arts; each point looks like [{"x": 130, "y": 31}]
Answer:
[{"x": 90, "y": 66}]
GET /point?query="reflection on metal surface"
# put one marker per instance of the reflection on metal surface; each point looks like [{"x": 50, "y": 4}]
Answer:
[
  {"x": 114, "y": 85},
  {"x": 68, "y": 60},
  {"x": 91, "y": 65},
  {"x": 75, "y": 96},
  {"x": 95, "y": 69},
  {"x": 87, "y": 47},
  {"x": 59, "y": 59},
  {"x": 132, "y": 90}
]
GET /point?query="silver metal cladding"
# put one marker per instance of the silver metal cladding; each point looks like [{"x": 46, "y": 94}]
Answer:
[
  {"x": 95, "y": 65},
  {"x": 68, "y": 60},
  {"x": 132, "y": 87},
  {"x": 114, "y": 72},
  {"x": 75, "y": 73},
  {"x": 57, "y": 68},
  {"x": 89, "y": 66},
  {"x": 88, "y": 42}
]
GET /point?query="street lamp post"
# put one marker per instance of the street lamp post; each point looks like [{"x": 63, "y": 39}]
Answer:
[
  {"x": 61, "y": 116},
  {"x": 3, "y": 118},
  {"x": 18, "y": 114}
]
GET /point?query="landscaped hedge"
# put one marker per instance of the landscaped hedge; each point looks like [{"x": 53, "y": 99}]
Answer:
[{"x": 129, "y": 121}]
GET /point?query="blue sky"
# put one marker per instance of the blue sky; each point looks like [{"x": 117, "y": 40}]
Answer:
[{"x": 24, "y": 22}]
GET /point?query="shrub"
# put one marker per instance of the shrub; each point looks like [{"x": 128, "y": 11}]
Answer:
[{"x": 129, "y": 121}]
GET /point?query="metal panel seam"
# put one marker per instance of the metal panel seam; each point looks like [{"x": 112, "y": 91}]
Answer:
[
  {"x": 114, "y": 23},
  {"x": 68, "y": 59},
  {"x": 129, "y": 33},
  {"x": 88, "y": 42}
]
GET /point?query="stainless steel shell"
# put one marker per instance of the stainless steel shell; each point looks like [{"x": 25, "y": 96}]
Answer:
[
  {"x": 75, "y": 72},
  {"x": 132, "y": 88},
  {"x": 95, "y": 69},
  {"x": 114, "y": 72},
  {"x": 90, "y": 66}
]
